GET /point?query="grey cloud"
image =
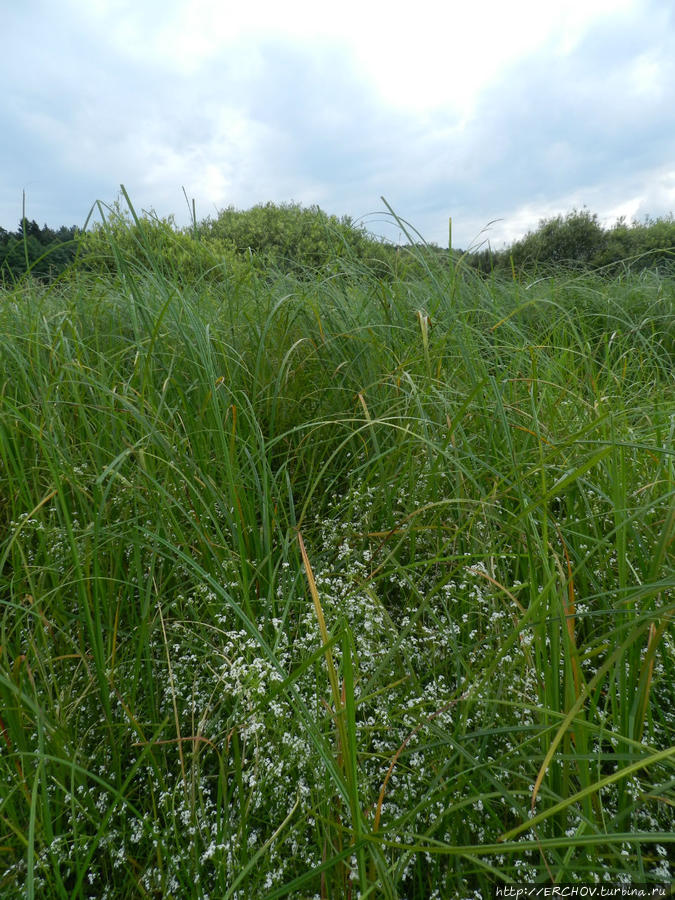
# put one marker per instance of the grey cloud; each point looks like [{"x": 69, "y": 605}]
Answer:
[
  {"x": 557, "y": 127},
  {"x": 276, "y": 120}
]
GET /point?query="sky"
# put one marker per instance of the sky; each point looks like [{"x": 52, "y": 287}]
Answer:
[{"x": 495, "y": 114}]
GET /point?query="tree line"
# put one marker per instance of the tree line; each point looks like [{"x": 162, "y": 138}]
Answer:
[
  {"x": 578, "y": 240},
  {"x": 301, "y": 240},
  {"x": 45, "y": 252}
]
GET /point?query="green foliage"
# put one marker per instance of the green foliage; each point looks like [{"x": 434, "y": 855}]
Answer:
[
  {"x": 574, "y": 239},
  {"x": 44, "y": 252},
  {"x": 646, "y": 244},
  {"x": 294, "y": 238},
  {"x": 579, "y": 241},
  {"x": 288, "y": 238},
  {"x": 462, "y": 677},
  {"x": 140, "y": 243},
  {"x": 305, "y": 240}
]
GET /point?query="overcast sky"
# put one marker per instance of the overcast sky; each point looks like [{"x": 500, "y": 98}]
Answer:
[{"x": 508, "y": 111}]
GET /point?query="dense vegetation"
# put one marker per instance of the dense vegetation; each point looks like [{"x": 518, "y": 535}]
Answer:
[
  {"x": 295, "y": 238},
  {"x": 290, "y": 237},
  {"x": 322, "y": 584},
  {"x": 299, "y": 240},
  {"x": 579, "y": 240},
  {"x": 44, "y": 252}
]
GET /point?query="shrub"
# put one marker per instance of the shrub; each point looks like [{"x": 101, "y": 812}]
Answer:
[
  {"x": 296, "y": 238},
  {"x": 579, "y": 240},
  {"x": 152, "y": 242},
  {"x": 576, "y": 238}
]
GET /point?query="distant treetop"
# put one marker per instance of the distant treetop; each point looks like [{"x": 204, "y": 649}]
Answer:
[{"x": 578, "y": 240}]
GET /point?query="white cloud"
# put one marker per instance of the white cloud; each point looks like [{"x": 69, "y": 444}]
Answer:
[
  {"x": 418, "y": 59},
  {"x": 649, "y": 193},
  {"x": 515, "y": 111}
]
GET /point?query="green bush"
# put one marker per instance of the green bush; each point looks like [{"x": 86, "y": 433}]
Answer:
[
  {"x": 288, "y": 238},
  {"x": 150, "y": 242},
  {"x": 578, "y": 240},
  {"x": 296, "y": 238},
  {"x": 574, "y": 239}
]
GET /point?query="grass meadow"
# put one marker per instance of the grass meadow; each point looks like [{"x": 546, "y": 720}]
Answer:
[{"x": 337, "y": 586}]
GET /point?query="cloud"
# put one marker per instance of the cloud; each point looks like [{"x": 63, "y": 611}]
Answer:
[
  {"x": 473, "y": 117},
  {"x": 592, "y": 126}
]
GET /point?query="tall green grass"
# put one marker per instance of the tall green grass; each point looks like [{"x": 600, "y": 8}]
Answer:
[{"x": 334, "y": 587}]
